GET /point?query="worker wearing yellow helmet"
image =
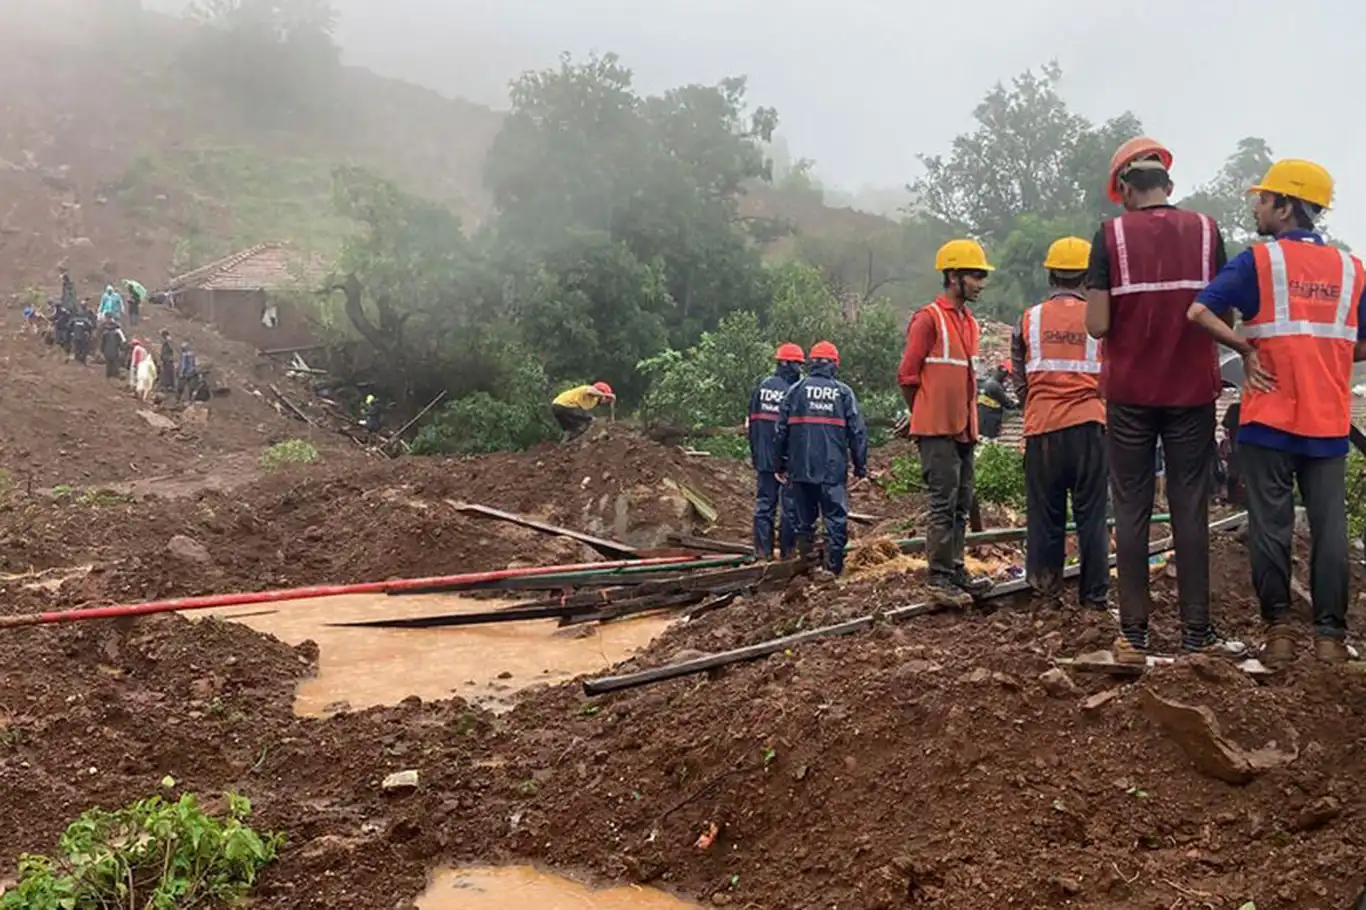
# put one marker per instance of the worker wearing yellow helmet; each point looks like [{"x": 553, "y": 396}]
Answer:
[
  {"x": 1301, "y": 302},
  {"x": 1057, "y": 368},
  {"x": 939, "y": 384}
]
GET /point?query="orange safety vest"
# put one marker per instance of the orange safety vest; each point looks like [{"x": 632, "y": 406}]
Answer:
[
  {"x": 1062, "y": 366},
  {"x": 946, "y": 401},
  {"x": 1305, "y": 331}
]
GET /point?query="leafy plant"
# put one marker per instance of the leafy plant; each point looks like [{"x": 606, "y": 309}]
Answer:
[
  {"x": 905, "y": 477},
  {"x": 736, "y": 447},
  {"x": 289, "y": 452},
  {"x": 1356, "y": 494},
  {"x": 480, "y": 423},
  {"x": 1000, "y": 475},
  {"x": 152, "y": 855}
]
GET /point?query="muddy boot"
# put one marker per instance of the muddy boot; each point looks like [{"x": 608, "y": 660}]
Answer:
[
  {"x": 1211, "y": 642},
  {"x": 973, "y": 585},
  {"x": 1131, "y": 649},
  {"x": 804, "y": 546},
  {"x": 945, "y": 593},
  {"x": 1332, "y": 650},
  {"x": 1279, "y": 647}
]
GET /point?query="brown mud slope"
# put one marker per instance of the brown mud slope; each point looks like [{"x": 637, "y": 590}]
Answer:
[{"x": 925, "y": 765}]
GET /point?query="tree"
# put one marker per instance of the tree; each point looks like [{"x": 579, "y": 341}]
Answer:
[
  {"x": 1020, "y": 280},
  {"x": 1225, "y": 198}
]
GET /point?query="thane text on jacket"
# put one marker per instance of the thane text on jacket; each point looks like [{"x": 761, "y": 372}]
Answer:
[
  {"x": 820, "y": 428},
  {"x": 764, "y": 407}
]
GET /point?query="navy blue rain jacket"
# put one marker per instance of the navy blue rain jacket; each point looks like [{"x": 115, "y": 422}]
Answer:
[
  {"x": 764, "y": 406},
  {"x": 820, "y": 428}
]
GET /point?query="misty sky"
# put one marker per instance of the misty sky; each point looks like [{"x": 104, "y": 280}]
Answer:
[{"x": 862, "y": 86}]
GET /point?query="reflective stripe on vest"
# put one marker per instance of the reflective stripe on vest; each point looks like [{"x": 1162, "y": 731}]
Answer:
[
  {"x": 820, "y": 421},
  {"x": 1184, "y": 284},
  {"x": 1038, "y": 363},
  {"x": 1282, "y": 326},
  {"x": 944, "y": 339}
]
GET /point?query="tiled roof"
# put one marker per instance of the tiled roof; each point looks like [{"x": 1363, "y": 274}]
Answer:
[{"x": 266, "y": 266}]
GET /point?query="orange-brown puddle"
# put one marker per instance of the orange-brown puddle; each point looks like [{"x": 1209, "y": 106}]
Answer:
[
  {"x": 525, "y": 888},
  {"x": 363, "y": 668}
]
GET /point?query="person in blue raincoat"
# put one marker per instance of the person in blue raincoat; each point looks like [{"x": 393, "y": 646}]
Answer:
[
  {"x": 111, "y": 305},
  {"x": 820, "y": 430},
  {"x": 764, "y": 406}
]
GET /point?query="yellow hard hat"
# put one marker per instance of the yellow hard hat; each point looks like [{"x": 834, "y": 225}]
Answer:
[
  {"x": 963, "y": 254},
  {"x": 1299, "y": 179},
  {"x": 1070, "y": 254}
]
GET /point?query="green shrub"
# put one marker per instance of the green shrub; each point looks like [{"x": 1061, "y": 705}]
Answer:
[
  {"x": 1356, "y": 494},
  {"x": 905, "y": 477},
  {"x": 721, "y": 446},
  {"x": 480, "y": 423},
  {"x": 1000, "y": 476},
  {"x": 152, "y": 855},
  {"x": 291, "y": 451}
]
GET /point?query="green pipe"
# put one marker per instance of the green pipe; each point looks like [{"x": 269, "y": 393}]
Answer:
[{"x": 1000, "y": 535}]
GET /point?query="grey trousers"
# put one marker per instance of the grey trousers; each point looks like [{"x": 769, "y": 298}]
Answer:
[
  {"x": 1270, "y": 477},
  {"x": 947, "y": 467}
]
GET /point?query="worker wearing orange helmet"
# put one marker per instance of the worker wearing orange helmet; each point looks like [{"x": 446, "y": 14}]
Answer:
[
  {"x": 1304, "y": 325},
  {"x": 820, "y": 431},
  {"x": 939, "y": 385},
  {"x": 1160, "y": 377},
  {"x": 1057, "y": 369},
  {"x": 764, "y": 407},
  {"x": 572, "y": 408}
]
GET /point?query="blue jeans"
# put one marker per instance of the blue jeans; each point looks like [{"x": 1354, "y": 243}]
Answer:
[
  {"x": 771, "y": 496},
  {"x": 829, "y": 501}
]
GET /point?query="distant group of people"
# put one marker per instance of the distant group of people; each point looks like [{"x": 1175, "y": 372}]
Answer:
[{"x": 80, "y": 330}]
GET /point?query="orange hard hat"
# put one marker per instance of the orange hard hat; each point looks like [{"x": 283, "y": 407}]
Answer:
[
  {"x": 790, "y": 353},
  {"x": 1128, "y": 153},
  {"x": 824, "y": 350},
  {"x": 604, "y": 388}
]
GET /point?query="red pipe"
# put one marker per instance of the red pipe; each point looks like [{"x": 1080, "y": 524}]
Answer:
[{"x": 211, "y": 601}]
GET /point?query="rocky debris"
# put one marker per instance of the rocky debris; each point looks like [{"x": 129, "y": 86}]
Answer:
[
  {"x": 157, "y": 421},
  {"x": 1318, "y": 813},
  {"x": 1093, "y": 703},
  {"x": 189, "y": 550},
  {"x": 400, "y": 782},
  {"x": 1196, "y": 730},
  {"x": 1057, "y": 683}
]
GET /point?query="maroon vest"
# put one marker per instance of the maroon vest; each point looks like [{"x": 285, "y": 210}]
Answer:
[{"x": 1160, "y": 259}]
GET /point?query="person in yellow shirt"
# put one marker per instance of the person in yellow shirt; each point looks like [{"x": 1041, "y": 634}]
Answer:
[{"x": 571, "y": 408}]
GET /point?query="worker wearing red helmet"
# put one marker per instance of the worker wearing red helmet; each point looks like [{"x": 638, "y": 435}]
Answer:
[
  {"x": 572, "y": 407},
  {"x": 1160, "y": 379},
  {"x": 820, "y": 430},
  {"x": 764, "y": 407}
]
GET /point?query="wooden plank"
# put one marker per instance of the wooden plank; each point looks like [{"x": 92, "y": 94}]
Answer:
[
  {"x": 294, "y": 409},
  {"x": 609, "y": 548},
  {"x": 707, "y": 545},
  {"x": 698, "y": 502}
]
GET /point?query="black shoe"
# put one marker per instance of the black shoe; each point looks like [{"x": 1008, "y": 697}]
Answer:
[
  {"x": 973, "y": 585},
  {"x": 1211, "y": 642},
  {"x": 944, "y": 592}
]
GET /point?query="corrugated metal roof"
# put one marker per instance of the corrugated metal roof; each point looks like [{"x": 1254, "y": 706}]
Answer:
[{"x": 264, "y": 267}]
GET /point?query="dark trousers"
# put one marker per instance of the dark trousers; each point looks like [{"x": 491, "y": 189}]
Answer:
[
  {"x": 947, "y": 468},
  {"x": 167, "y": 375},
  {"x": 829, "y": 501},
  {"x": 771, "y": 496},
  {"x": 1067, "y": 461},
  {"x": 572, "y": 420},
  {"x": 1269, "y": 478},
  {"x": 1187, "y": 436}
]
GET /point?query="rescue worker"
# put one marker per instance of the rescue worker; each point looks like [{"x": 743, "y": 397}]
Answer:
[
  {"x": 111, "y": 348},
  {"x": 993, "y": 402},
  {"x": 186, "y": 371},
  {"x": 1303, "y": 328},
  {"x": 82, "y": 332},
  {"x": 68, "y": 291},
  {"x": 1058, "y": 370},
  {"x": 764, "y": 407},
  {"x": 940, "y": 389},
  {"x": 167, "y": 357},
  {"x": 372, "y": 413},
  {"x": 1161, "y": 377},
  {"x": 571, "y": 407},
  {"x": 111, "y": 304},
  {"x": 820, "y": 430}
]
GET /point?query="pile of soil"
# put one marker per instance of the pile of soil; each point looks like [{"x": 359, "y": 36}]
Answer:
[{"x": 924, "y": 765}]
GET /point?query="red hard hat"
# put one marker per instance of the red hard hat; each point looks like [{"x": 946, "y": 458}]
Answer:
[
  {"x": 604, "y": 388},
  {"x": 790, "y": 353},
  {"x": 824, "y": 350},
  {"x": 1141, "y": 147}
]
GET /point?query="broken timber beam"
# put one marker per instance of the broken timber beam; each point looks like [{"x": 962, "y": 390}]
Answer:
[
  {"x": 398, "y": 434},
  {"x": 707, "y": 545},
  {"x": 293, "y": 408},
  {"x": 609, "y": 548}
]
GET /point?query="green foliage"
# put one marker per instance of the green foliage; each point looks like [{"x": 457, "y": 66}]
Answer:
[
  {"x": 152, "y": 855},
  {"x": 478, "y": 424},
  {"x": 999, "y": 475},
  {"x": 1356, "y": 495},
  {"x": 905, "y": 477},
  {"x": 709, "y": 384},
  {"x": 289, "y": 452},
  {"x": 725, "y": 446}
]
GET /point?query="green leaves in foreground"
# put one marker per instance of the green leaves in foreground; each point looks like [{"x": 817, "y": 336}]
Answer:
[{"x": 152, "y": 855}]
